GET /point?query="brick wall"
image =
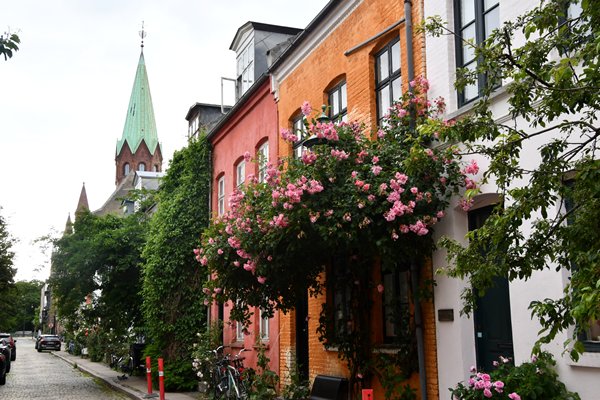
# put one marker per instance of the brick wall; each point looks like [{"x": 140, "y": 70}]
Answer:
[{"x": 325, "y": 66}]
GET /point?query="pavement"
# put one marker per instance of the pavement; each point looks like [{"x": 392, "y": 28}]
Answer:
[{"x": 134, "y": 387}]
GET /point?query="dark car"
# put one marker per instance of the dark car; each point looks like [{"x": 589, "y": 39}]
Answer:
[
  {"x": 2, "y": 369},
  {"x": 6, "y": 352},
  {"x": 13, "y": 345},
  {"x": 46, "y": 342}
]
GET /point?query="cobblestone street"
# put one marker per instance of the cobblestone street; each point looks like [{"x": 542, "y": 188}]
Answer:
[{"x": 44, "y": 376}]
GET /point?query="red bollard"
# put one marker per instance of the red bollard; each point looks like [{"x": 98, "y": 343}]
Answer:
[
  {"x": 149, "y": 374},
  {"x": 367, "y": 394},
  {"x": 161, "y": 379}
]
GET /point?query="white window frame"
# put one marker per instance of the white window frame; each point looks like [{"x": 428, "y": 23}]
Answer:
[
  {"x": 299, "y": 129},
  {"x": 221, "y": 196},
  {"x": 338, "y": 102},
  {"x": 263, "y": 160},
  {"x": 245, "y": 67},
  {"x": 240, "y": 173},
  {"x": 239, "y": 332},
  {"x": 264, "y": 324},
  {"x": 388, "y": 78}
]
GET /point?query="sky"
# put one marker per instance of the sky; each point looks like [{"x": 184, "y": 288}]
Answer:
[{"x": 64, "y": 95}]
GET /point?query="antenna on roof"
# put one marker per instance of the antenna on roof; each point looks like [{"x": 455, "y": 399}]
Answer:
[{"x": 143, "y": 35}]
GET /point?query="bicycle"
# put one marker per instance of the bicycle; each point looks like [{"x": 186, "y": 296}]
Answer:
[{"x": 227, "y": 376}]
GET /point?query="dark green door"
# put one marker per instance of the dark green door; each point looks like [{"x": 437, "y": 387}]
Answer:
[
  {"x": 493, "y": 329},
  {"x": 302, "y": 337}
]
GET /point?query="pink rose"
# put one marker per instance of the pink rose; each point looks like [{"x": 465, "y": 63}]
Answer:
[
  {"x": 380, "y": 288},
  {"x": 261, "y": 280},
  {"x": 514, "y": 396}
]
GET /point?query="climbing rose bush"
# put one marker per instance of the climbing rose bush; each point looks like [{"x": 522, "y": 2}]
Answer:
[{"x": 356, "y": 194}]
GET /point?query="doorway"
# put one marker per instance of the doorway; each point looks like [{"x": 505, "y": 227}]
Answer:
[{"x": 492, "y": 318}]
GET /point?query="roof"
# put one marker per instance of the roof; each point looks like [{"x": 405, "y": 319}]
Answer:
[
  {"x": 190, "y": 112},
  {"x": 113, "y": 204},
  {"x": 82, "y": 204},
  {"x": 139, "y": 123},
  {"x": 304, "y": 34},
  {"x": 259, "y": 26}
]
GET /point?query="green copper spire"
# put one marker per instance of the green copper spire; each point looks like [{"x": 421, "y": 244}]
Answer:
[{"x": 140, "y": 124}]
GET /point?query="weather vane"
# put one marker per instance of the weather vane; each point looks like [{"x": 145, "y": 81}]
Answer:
[{"x": 142, "y": 34}]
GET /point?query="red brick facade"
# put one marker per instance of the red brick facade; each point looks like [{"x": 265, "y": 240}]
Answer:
[
  {"x": 346, "y": 52},
  {"x": 152, "y": 162}
]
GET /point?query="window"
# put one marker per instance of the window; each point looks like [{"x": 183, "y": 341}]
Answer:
[
  {"x": 338, "y": 103},
  {"x": 591, "y": 336},
  {"x": 299, "y": 129},
  {"x": 141, "y": 166},
  {"x": 388, "y": 85},
  {"x": 239, "y": 332},
  {"x": 245, "y": 69},
  {"x": 340, "y": 286},
  {"x": 221, "y": 196},
  {"x": 126, "y": 169},
  {"x": 240, "y": 173},
  {"x": 155, "y": 169},
  {"x": 263, "y": 160},
  {"x": 396, "y": 313},
  {"x": 474, "y": 20},
  {"x": 264, "y": 326}
]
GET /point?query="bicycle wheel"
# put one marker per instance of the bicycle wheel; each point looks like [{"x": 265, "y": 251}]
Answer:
[{"x": 219, "y": 384}]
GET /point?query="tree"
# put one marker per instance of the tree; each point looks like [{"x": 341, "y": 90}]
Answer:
[
  {"x": 21, "y": 302},
  {"x": 7, "y": 271},
  {"x": 173, "y": 308},
  {"x": 102, "y": 255},
  {"x": 9, "y": 43},
  {"x": 552, "y": 81}
]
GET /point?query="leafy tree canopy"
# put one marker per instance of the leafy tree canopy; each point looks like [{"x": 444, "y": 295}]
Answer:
[
  {"x": 543, "y": 162},
  {"x": 9, "y": 43},
  {"x": 7, "y": 271},
  {"x": 101, "y": 256}
]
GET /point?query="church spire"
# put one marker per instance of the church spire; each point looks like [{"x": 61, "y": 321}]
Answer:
[
  {"x": 138, "y": 148},
  {"x": 82, "y": 204},
  {"x": 68, "y": 226}
]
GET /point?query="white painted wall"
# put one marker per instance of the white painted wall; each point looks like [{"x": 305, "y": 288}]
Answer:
[{"x": 455, "y": 340}]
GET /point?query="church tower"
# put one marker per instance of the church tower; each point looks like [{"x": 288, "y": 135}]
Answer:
[{"x": 139, "y": 149}]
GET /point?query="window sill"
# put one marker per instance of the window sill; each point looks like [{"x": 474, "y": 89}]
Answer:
[
  {"x": 263, "y": 345},
  {"x": 502, "y": 90},
  {"x": 587, "y": 359}
]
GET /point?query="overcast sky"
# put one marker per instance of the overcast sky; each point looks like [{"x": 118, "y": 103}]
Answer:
[{"x": 64, "y": 94}]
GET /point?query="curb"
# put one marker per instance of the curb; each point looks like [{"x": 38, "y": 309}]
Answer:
[{"x": 131, "y": 393}]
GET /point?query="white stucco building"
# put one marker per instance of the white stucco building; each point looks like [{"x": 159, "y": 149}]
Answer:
[{"x": 463, "y": 342}]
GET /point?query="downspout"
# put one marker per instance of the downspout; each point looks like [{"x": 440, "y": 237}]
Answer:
[{"x": 414, "y": 267}]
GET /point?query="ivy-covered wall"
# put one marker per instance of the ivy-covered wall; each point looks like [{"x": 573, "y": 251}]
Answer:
[{"x": 172, "y": 307}]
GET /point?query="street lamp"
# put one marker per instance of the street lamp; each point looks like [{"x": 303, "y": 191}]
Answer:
[{"x": 313, "y": 140}]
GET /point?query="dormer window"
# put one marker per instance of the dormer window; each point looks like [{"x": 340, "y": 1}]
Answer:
[
  {"x": 245, "y": 68},
  {"x": 126, "y": 169},
  {"x": 141, "y": 166}
]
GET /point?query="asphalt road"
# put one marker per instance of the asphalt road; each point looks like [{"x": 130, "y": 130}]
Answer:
[{"x": 36, "y": 375}]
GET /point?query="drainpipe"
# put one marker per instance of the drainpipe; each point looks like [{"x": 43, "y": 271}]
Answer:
[
  {"x": 414, "y": 267},
  {"x": 414, "y": 280}
]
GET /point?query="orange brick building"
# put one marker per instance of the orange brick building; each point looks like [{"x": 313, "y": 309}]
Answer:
[{"x": 355, "y": 57}]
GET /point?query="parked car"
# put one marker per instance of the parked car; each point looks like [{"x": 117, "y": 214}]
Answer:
[
  {"x": 46, "y": 342},
  {"x": 6, "y": 352},
  {"x": 13, "y": 345},
  {"x": 2, "y": 369}
]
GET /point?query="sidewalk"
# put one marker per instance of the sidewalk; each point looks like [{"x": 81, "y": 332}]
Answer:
[{"x": 134, "y": 386}]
